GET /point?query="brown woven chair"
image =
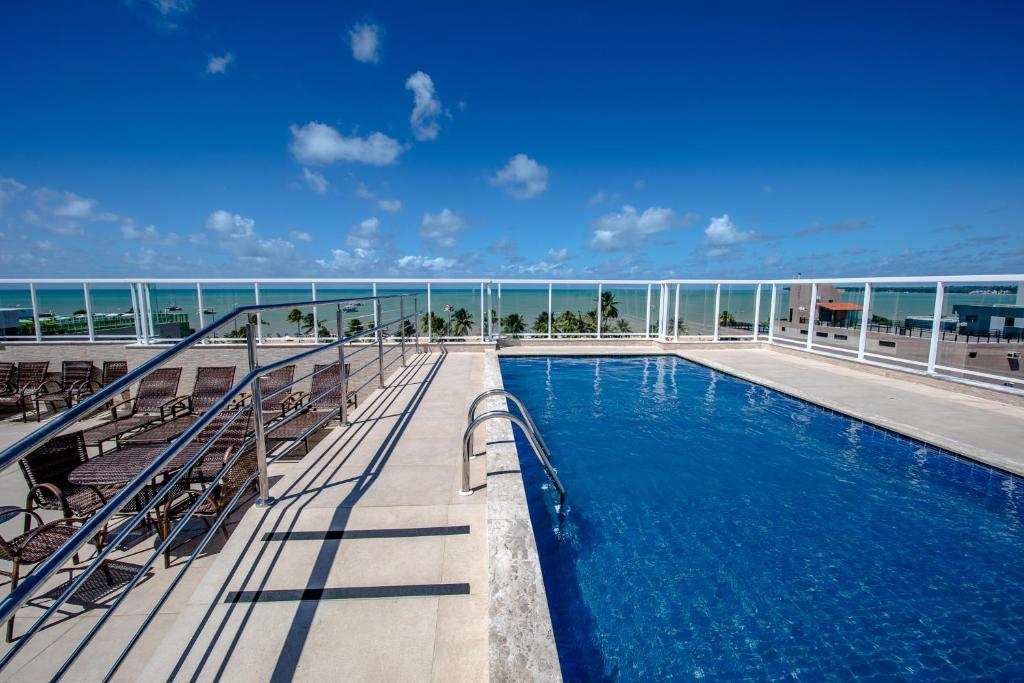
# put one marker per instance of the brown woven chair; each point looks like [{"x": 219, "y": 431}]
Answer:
[
  {"x": 34, "y": 546},
  {"x": 46, "y": 470},
  {"x": 154, "y": 401},
  {"x": 239, "y": 475},
  {"x": 7, "y": 386},
  {"x": 274, "y": 404},
  {"x": 74, "y": 384},
  {"x": 316, "y": 407},
  {"x": 29, "y": 380},
  {"x": 114, "y": 370},
  {"x": 212, "y": 383}
]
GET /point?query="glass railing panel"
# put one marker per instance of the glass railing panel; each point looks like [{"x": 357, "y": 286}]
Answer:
[
  {"x": 623, "y": 310},
  {"x": 394, "y": 308},
  {"x": 522, "y": 310},
  {"x": 112, "y": 314},
  {"x": 456, "y": 311},
  {"x": 792, "y": 306},
  {"x": 359, "y": 315},
  {"x": 219, "y": 300},
  {"x": 765, "y": 311},
  {"x": 982, "y": 335},
  {"x": 736, "y": 311},
  {"x": 696, "y": 311},
  {"x": 574, "y": 309},
  {"x": 174, "y": 310},
  {"x": 62, "y": 311},
  {"x": 899, "y": 328},
  {"x": 290, "y": 323},
  {"x": 838, "y": 318},
  {"x": 16, "y": 321}
]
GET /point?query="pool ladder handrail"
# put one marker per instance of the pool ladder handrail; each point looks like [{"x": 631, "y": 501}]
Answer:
[{"x": 526, "y": 423}]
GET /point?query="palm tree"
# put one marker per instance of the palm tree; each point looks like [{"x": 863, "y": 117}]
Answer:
[
  {"x": 435, "y": 322},
  {"x": 295, "y": 316},
  {"x": 726, "y": 318},
  {"x": 540, "y": 325},
  {"x": 355, "y": 326},
  {"x": 513, "y": 323},
  {"x": 567, "y": 323},
  {"x": 609, "y": 306},
  {"x": 588, "y": 322},
  {"x": 408, "y": 329},
  {"x": 622, "y": 326},
  {"x": 462, "y": 322}
]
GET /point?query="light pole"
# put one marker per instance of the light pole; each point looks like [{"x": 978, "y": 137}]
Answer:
[{"x": 448, "y": 308}]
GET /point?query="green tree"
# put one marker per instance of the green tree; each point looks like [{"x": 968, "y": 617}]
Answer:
[
  {"x": 588, "y": 322},
  {"x": 295, "y": 316},
  {"x": 435, "y": 322},
  {"x": 355, "y": 326},
  {"x": 567, "y": 323},
  {"x": 462, "y": 322},
  {"x": 513, "y": 323},
  {"x": 622, "y": 326},
  {"x": 79, "y": 311},
  {"x": 725, "y": 318},
  {"x": 609, "y": 306},
  {"x": 408, "y": 329},
  {"x": 540, "y": 324}
]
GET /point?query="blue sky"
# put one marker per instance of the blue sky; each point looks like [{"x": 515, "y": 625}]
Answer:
[{"x": 198, "y": 138}]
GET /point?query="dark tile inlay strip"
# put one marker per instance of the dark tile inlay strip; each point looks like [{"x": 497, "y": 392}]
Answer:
[
  {"x": 365, "y": 533},
  {"x": 352, "y": 593}
]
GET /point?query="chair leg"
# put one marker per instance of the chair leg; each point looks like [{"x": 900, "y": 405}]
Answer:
[{"x": 14, "y": 584}]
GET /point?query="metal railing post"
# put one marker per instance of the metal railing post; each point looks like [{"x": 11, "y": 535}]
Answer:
[
  {"x": 600, "y": 317},
  {"x": 430, "y": 317},
  {"x": 812, "y": 314},
  {"x": 647, "y": 314},
  {"x": 380, "y": 342},
  {"x": 135, "y": 313},
  {"x": 771, "y": 315},
  {"x": 675, "y": 317},
  {"x": 401, "y": 326},
  {"x": 865, "y": 320},
  {"x": 551, "y": 315},
  {"x": 341, "y": 368},
  {"x": 199, "y": 302},
  {"x": 933, "y": 343},
  {"x": 88, "y": 312},
  {"x": 757, "y": 310},
  {"x": 718, "y": 306},
  {"x": 416, "y": 321},
  {"x": 35, "y": 311},
  {"x": 259, "y": 318},
  {"x": 316, "y": 320},
  {"x": 265, "y": 498}
]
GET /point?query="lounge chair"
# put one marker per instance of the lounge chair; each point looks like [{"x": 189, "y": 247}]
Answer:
[
  {"x": 74, "y": 384},
  {"x": 46, "y": 470},
  {"x": 7, "y": 379},
  {"x": 29, "y": 380},
  {"x": 34, "y": 546},
  {"x": 153, "y": 402},
  {"x": 316, "y": 408},
  {"x": 274, "y": 404},
  {"x": 212, "y": 383},
  {"x": 114, "y": 370}
]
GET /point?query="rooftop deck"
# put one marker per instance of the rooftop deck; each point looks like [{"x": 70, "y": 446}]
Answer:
[{"x": 371, "y": 566}]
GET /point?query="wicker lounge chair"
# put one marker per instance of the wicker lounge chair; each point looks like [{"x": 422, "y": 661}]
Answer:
[
  {"x": 240, "y": 474},
  {"x": 46, "y": 470},
  {"x": 29, "y": 380},
  {"x": 34, "y": 546},
  {"x": 274, "y": 404},
  {"x": 316, "y": 408},
  {"x": 212, "y": 383},
  {"x": 114, "y": 370},
  {"x": 153, "y": 402},
  {"x": 74, "y": 384},
  {"x": 7, "y": 379}
]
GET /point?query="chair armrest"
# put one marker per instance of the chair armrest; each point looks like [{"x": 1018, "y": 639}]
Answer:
[
  {"x": 241, "y": 400},
  {"x": 33, "y": 389},
  {"x": 52, "y": 490},
  {"x": 294, "y": 401},
  {"x": 174, "y": 404}
]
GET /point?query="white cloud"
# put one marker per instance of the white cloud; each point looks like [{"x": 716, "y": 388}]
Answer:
[
  {"x": 558, "y": 255},
  {"x": 230, "y": 225},
  {"x": 365, "y": 40},
  {"x": 9, "y": 187},
  {"x": 168, "y": 7},
  {"x": 441, "y": 228},
  {"x": 722, "y": 236},
  {"x": 426, "y": 107},
  {"x": 629, "y": 229},
  {"x": 63, "y": 213},
  {"x": 350, "y": 262},
  {"x": 316, "y": 181},
  {"x": 437, "y": 264},
  {"x": 597, "y": 198},
  {"x": 388, "y": 205},
  {"x": 318, "y": 143},
  {"x": 522, "y": 177},
  {"x": 147, "y": 234},
  {"x": 219, "y": 65},
  {"x": 364, "y": 235},
  {"x": 639, "y": 184},
  {"x": 539, "y": 268},
  {"x": 300, "y": 235},
  {"x": 503, "y": 246}
]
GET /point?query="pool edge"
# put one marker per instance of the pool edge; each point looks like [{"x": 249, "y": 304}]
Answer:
[{"x": 521, "y": 640}]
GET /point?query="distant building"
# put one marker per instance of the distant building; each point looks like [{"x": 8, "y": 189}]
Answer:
[
  {"x": 1006, "y": 320},
  {"x": 925, "y": 322},
  {"x": 830, "y": 309},
  {"x": 9, "y": 320}
]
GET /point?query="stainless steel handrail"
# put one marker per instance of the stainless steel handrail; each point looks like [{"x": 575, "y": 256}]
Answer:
[
  {"x": 45, "y": 569},
  {"x": 529, "y": 429},
  {"x": 471, "y": 414},
  {"x": 16, "y": 451}
]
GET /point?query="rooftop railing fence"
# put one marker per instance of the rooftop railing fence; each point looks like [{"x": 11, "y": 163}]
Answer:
[{"x": 916, "y": 324}]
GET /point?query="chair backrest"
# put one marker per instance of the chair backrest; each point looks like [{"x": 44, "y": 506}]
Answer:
[
  {"x": 211, "y": 385},
  {"x": 238, "y": 475},
  {"x": 325, "y": 388},
  {"x": 156, "y": 389},
  {"x": 275, "y": 380},
  {"x": 114, "y": 370},
  {"x": 52, "y": 462},
  {"x": 31, "y": 373},
  {"x": 72, "y": 371},
  {"x": 6, "y": 374}
]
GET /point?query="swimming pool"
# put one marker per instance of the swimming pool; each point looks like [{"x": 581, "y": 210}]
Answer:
[{"x": 716, "y": 529}]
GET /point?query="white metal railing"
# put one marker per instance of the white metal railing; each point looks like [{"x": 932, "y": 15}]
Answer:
[{"x": 574, "y": 309}]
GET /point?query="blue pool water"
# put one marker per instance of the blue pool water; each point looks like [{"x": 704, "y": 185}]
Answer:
[{"x": 719, "y": 530}]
